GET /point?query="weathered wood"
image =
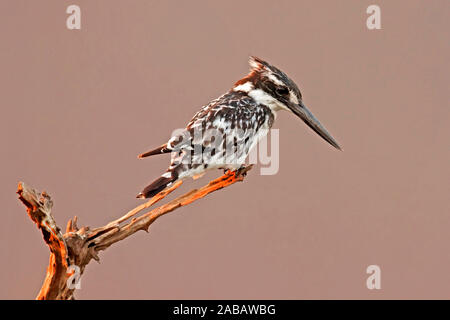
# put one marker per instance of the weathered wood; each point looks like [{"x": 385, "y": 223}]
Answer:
[{"x": 78, "y": 246}]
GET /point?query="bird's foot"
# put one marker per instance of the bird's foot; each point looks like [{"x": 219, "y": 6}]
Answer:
[{"x": 242, "y": 171}]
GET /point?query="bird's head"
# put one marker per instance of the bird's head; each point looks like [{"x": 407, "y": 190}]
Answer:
[{"x": 271, "y": 87}]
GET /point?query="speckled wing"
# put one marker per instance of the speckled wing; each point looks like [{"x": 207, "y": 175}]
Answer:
[{"x": 220, "y": 135}]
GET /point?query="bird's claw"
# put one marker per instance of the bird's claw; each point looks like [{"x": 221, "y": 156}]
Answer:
[{"x": 241, "y": 171}]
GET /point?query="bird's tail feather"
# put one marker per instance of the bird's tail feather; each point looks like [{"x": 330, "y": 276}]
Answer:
[{"x": 156, "y": 186}]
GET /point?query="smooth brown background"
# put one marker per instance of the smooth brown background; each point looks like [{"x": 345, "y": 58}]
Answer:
[{"x": 78, "y": 106}]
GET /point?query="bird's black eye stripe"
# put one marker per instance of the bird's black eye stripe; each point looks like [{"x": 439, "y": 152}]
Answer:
[{"x": 282, "y": 91}]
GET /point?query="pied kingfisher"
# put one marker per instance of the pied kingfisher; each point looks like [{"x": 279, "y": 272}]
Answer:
[{"x": 235, "y": 121}]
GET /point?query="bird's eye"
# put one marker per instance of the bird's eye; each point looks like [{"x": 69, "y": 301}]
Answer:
[{"x": 282, "y": 91}]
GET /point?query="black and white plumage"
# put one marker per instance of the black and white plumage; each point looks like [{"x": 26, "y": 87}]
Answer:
[{"x": 223, "y": 132}]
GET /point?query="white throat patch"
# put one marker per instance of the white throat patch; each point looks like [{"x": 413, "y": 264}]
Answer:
[{"x": 246, "y": 87}]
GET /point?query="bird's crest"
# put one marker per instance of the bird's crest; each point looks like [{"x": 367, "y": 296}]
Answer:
[{"x": 257, "y": 64}]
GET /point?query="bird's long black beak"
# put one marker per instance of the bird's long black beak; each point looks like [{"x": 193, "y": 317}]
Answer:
[{"x": 301, "y": 111}]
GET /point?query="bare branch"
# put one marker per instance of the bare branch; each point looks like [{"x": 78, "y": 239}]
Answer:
[
  {"x": 79, "y": 246},
  {"x": 39, "y": 209}
]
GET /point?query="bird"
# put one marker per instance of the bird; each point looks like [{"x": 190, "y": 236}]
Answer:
[{"x": 235, "y": 121}]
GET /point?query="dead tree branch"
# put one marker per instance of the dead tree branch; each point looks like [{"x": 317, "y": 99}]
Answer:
[{"x": 77, "y": 247}]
